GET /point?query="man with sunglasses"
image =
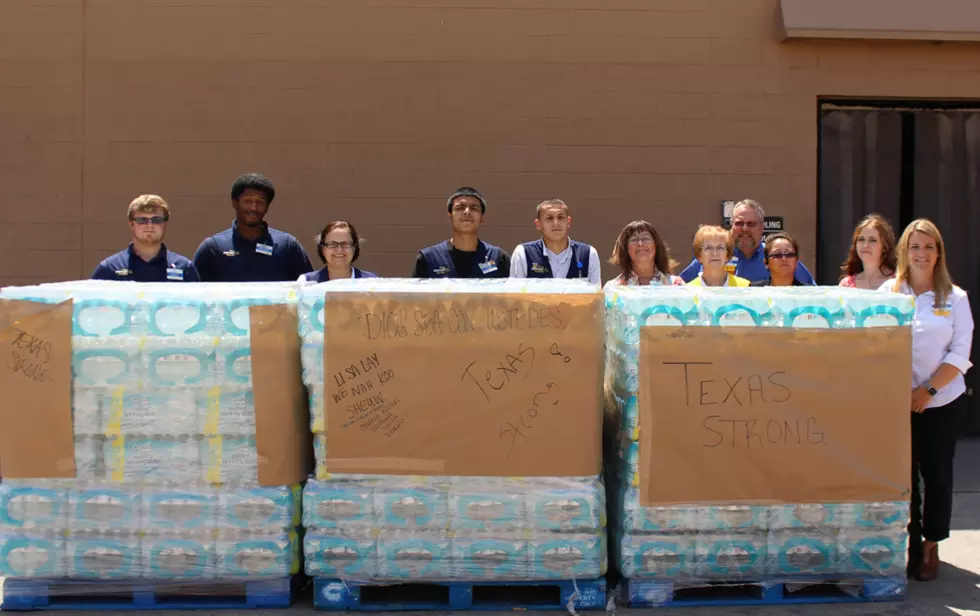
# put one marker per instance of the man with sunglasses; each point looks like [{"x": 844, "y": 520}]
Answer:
[
  {"x": 147, "y": 258},
  {"x": 749, "y": 261}
]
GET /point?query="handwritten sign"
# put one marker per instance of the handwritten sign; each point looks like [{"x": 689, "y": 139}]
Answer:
[
  {"x": 762, "y": 416},
  {"x": 36, "y": 433},
  {"x": 463, "y": 384}
]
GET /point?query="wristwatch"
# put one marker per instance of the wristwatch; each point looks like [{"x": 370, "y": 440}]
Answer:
[{"x": 932, "y": 390}]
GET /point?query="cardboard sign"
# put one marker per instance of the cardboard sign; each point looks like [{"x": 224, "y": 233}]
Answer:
[
  {"x": 282, "y": 428},
  {"x": 766, "y": 416},
  {"x": 463, "y": 383},
  {"x": 36, "y": 439}
]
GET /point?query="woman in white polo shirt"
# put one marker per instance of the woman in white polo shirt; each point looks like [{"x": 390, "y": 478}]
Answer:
[{"x": 941, "y": 338}]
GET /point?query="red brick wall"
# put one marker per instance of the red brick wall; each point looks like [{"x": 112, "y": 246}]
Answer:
[{"x": 374, "y": 111}]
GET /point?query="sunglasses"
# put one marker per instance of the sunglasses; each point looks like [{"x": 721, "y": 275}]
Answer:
[
  {"x": 783, "y": 255},
  {"x": 149, "y": 220}
]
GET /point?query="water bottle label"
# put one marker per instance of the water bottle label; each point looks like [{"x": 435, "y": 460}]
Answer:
[
  {"x": 881, "y": 320},
  {"x": 663, "y": 319},
  {"x": 810, "y": 321},
  {"x": 737, "y": 317}
]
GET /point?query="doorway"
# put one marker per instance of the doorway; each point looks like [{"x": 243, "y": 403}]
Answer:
[{"x": 904, "y": 161}]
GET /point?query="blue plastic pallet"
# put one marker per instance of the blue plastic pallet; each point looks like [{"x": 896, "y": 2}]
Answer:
[
  {"x": 333, "y": 594},
  {"x": 26, "y": 595},
  {"x": 660, "y": 593}
]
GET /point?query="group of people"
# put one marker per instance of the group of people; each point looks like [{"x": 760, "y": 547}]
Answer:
[{"x": 942, "y": 332}]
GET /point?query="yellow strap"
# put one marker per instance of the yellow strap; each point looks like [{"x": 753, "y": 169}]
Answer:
[
  {"x": 215, "y": 446},
  {"x": 213, "y": 412},
  {"x": 114, "y": 424},
  {"x": 119, "y": 473}
]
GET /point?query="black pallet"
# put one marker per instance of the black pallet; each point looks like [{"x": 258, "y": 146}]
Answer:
[
  {"x": 26, "y": 594},
  {"x": 663, "y": 593}
]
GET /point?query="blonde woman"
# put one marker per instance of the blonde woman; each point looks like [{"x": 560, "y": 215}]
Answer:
[
  {"x": 942, "y": 334},
  {"x": 713, "y": 248}
]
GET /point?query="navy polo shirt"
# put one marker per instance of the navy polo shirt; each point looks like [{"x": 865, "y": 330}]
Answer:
[
  {"x": 228, "y": 257},
  {"x": 167, "y": 266}
]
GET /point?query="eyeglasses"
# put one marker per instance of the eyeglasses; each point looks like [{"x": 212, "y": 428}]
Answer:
[
  {"x": 783, "y": 255},
  {"x": 149, "y": 220},
  {"x": 335, "y": 245},
  {"x": 748, "y": 224},
  {"x": 642, "y": 239}
]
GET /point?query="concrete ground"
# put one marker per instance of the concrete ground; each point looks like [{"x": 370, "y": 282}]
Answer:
[{"x": 956, "y": 592}]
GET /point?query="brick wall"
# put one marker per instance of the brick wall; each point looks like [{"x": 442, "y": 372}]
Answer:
[{"x": 375, "y": 110}]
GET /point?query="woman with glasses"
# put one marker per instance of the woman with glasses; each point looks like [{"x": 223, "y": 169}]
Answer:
[
  {"x": 338, "y": 246},
  {"x": 871, "y": 260},
  {"x": 942, "y": 335},
  {"x": 713, "y": 248},
  {"x": 782, "y": 255},
  {"x": 642, "y": 257}
]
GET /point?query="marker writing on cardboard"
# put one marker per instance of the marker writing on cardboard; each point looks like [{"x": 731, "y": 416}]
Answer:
[
  {"x": 29, "y": 356},
  {"x": 512, "y": 366},
  {"x": 401, "y": 322},
  {"x": 542, "y": 400},
  {"x": 745, "y": 391}
]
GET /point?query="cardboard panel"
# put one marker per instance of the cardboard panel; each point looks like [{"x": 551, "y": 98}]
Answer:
[
  {"x": 282, "y": 430},
  {"x": 762, "y": 416},
  {"x": 463, "y": 384},
  {"x": 36, "y": 434}
]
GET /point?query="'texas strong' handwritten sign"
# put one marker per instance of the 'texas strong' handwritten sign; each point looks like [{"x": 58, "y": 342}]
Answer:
[
  {"x": 746, "y": 415},
  {"x": 463, "y": 384},
  {"x": 36, "y": 439}
]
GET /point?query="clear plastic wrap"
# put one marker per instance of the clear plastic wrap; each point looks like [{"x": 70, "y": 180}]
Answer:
[
  {"x": 400, "y": 528},
  {"x": 167, "y": 483},
  {"x": 693, "y": 546}
]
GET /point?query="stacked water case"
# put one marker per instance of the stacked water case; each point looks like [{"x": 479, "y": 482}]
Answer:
[
  {"x": 164, "y": 425},
  {"x": 693, "y": 546},
  {"x": 445, "y": 528}
]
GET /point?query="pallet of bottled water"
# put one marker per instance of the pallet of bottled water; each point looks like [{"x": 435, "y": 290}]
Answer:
[
  {"x": 381, "y": 528},
  {"x": 663, "y": 549},
  {"x": 162, "y": 407}
]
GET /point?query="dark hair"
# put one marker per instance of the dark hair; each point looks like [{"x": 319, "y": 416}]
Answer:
[
  {"x": 255, "y": 181},
  {"x": 781, "y": 236},
  {"x": 853, "y": 265},
  {"x": 621, "y": 255},
  {"x": 331, "y": 226},
  {"x": 466, "y": 191}
]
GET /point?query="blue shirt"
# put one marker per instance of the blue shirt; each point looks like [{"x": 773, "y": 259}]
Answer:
[
  {"x": 167, "y": 266},
  {"x": 751, "y": 268},
  {"x": 228, "y": 257}
]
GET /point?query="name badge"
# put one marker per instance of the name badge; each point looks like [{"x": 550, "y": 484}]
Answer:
[
  {"x": 263, "y": 249},
  {"x": 731, "y": 265},
  {"x": 945, "y": 311},
  {"x": 538, "y": 269},
  {"x": 488, "y": 267},
  {"x": 174, "y": 273}
]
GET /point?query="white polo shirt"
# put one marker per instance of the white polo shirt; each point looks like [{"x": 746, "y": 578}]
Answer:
[{"x": 940, "y": 336}]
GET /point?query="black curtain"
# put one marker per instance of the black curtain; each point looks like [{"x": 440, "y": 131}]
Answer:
[
  {"x": 860, "y": 168},
  {"x": 947, "y": 191}
]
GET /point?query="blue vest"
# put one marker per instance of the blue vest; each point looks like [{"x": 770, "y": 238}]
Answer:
[
  {"x": 539, "y": 267},
  {"x": 439, "y": 263}
]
